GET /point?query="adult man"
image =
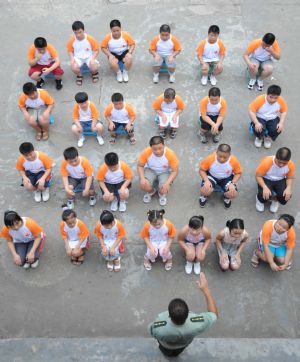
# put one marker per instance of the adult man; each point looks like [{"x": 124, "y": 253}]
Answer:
[{"x": 176, "y": 328}]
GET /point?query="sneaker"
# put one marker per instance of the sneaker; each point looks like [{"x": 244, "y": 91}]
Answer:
[
  {"x": 162, "y": 200},
  {"x": 172, "y": 78},
  {"x": 114, "y": 204},
  {"x": 110, "y": 265},
  {"x": 26, "y": 266},
  {"x": 122, "y": 206},
  {"x": 260, "y": 85},
  {"x": 289, "y": 266},
  {"x": 163, "y": 133},
  {"x": 202, "y": 201},
  {"x": 216, "y": 138},
  {"x": 168, "y": 265},
  {"x": 155, "y": 78},
  {"x": 197, "y": 268},
  {"x": 147, "y": 264},
  {"x": 117, "y": 264},
  {"x": 258, "y": 142},
  {"x": 189, "y": 267},
  {"x": 204, "y": 79},
  {"x": 37, "y": 196},
  {"x": 100, "y": 140},
  {"x": 148, "y": 196},
  {"x": 173, "y": 133},
  {"x": 119, "y": 77},
  {"x": 40, "y": 83},
  {"x": 70, "y": 204},
  {"x": 274, "y": 206},
  {"x": 213, "y": 80},
  {"x": 46, "y": 194},
  {"x": 254, "y": 260},
  {"x": 80, "y": 142},
  {"x": 35, "y": 264},
  {"x": 260, "y": 207},
  {"x": 203, "y": 138},
  {"x": 92, "y": 200},
  {"x": 251, "y": 83},
  {"x": 58, "y": 84},
  {"x": 227, "y": 203},
  {"x": 267, "y": 142},
  {"x": 125, "y": 76}
]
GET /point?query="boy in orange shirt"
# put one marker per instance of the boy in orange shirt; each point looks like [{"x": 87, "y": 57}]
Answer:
[
  {"x": 220, "y": 169},
  {"x": 212, "y": 114},
  {"x": 118, "y": 46},
  {"x": 86, "y": 118},
  {"x": 43, "y": 60},
  {"x": 164, "y": 48},
  {"x": 36, "y": 106},
  {"x": 168, "y": 107},
  {"x": 211, "y": 53}
]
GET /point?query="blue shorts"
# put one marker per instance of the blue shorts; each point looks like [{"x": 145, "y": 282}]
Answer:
[
  {"x": 34, "y": 177},
  {"x": 222, "y": 183},
  {"x": 279, "y": 251},
  {"x": 87, "y": 125}
]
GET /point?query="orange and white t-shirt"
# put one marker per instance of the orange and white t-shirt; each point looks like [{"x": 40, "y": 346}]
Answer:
[
  {"x": 84, "y": 116},
  {"x": 123, "y": 173},
  {"x": 269, "y": 170},
  {"x": 43, "y": 99},
  {"x": 161, "y": 105},
  {"x": 265, "y": 110},
  {"x": 82, "y": 49},
  {"x": 41, "y": 163},
  {"x": 269, "y": 236},
  {"x": 120, "y": 115},
  {"x": 83, "y": 170},
  {"x": 209, "y": 109},
  {"x": 78, "y": 232},
  {"x": 27, "y": 232},
  {"x": 117, "y": 46},
  {"x": 211, "y": 52},
  {"x": 220, "y": 170},
  {"x": 110, "y": 236},
  {"x": 168, "y": 161},
  {"x": 166, "y": 231},
  {"x": 256, "y": 50},
  {"x": 165, "y": 47},
  {"x": 47, "y": 58}
]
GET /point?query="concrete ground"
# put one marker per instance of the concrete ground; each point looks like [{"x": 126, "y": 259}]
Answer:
[{"x": 60, "y": 300}]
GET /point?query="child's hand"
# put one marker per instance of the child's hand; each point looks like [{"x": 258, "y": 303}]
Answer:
[
  {"x": 165, "y": 188},
  {"x": 266, "y": 193},
  {"x": 274, "y": 266},
  {"x": 214, "y": 129},
  {"x": 46, "y": 71},
  {"x": 152, "y": 251},
  {"x": 104, "y": 250},
  {"x": 157, "y": 57},
  {"x": 166, "y": 251},
  {"x": 38, "y": 56},
  {"x": 279, "y": 127},
  {"x": 26, "y": 181},
  {"x": 41, "y": 183},
  {"x": 69, "y": 251},
  {"x": 70, "y": 191},
  {"x": 17, "y": 259},
  {"x": 175, "y": 119},
  {"x": 112, "y": 251},
  {"x": 128, "y": 127},
  {"x": 85, "y": 192},
  {"x": 252, "y": 67},
  {"x": 111, "y": 126},
  {"x": 258, "y": 127},
  {"x": 224, "y": 258},
  {"x": 207, "y": 186},
  {"x": 30, "y": 257}
]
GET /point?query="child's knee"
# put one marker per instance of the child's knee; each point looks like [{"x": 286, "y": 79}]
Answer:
[{"x": 124, "y": 194}]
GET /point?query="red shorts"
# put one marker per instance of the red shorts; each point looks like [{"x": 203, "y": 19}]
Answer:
[{"x": 38, "y": 69}]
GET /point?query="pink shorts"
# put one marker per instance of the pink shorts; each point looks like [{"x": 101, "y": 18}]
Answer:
[{"x": 38, "y": 69}]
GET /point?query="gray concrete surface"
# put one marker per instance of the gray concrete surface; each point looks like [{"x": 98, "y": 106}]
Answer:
[{"x": 60, "y": 300}]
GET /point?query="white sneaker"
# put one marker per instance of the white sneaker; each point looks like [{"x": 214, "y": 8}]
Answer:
[
  {"x": 204, "y": 79},
  {"x": 155, "y": 78},
  {"x": 119, "y": 77},
  {"x": 162, "y": 200},
  {"x": 37, "y": 196},
  {"x": 92, "y": 200},
  {"x": 35, "y": 264},
  {"x": 100, "y": 140},
  {"x": 114, "y": 204},
  {"x": 189, "y": 267},
  {"x": 259, "y": 206},
  {"x": 274, "y": 206},
  {"x": 258, "y": 142},
  {"x": 213, "y": 80},
  {"x": 260, "y": 85},
  {"x": 125, "y": 76},
  {"x": 148, "y": 196},
  {"x": 26, "y": 266},
  {"x": 46, "y": 194},
  {"x": 251, "y": 83},
  {"x": 122, "y": 206},
  {"x": 197, "y": 268},
  {"x": 70, "y": 204},
  {"x": 172, "y": 78},
  {"x": 80, "y": 141},
  {"x": 267, "y": 142}
]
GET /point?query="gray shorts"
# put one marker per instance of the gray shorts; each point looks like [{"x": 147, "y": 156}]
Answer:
[
  {"x": 164, "y": 59},
  {"x": 259, "y": 63},
  {"x": 36, "y": 113},
  {"x": 154, "y": 177},
  {"x": 79, "y": 184},
  {"x": 231, "y": 249}
]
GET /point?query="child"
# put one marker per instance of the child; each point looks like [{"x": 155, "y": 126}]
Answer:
[
  {"x": 86, "y": 118},
  {"x": 83, "y": 49},
  {"x": 120, "y": 114},
  {"x": 158, "y": 234},
  {"x": 275, "y": 174},
  {"x": 35, "y": 168},
  {"x": 258, "y": 57},
  {"x": 25, "y": 239},
  {"x": 43, "y": 60},
  {"x": 276, "y": 243},
  {"x": 220, "y": 169},
  {"x": 194, "y": 239},
  {"x": 268, "y": 113},
  {"x": 230, "y": 242},
  {"x": 212, "y": 114},
  {"x": 211, "y": 53},
  {"x": 164, "y": 48},
  {"x": 118, "y": 46},
  {"x": 115, "y": 179},
  {"x": 77, "y": 176},
  {"x": 111, "y": 235},
  {"x": 75, "y": 235},
  {"x": 36, "y": 106},
  {"x": 168, "y": 107}
]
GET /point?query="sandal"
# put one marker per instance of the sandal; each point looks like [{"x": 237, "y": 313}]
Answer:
[
  {"x": 75, "y": 261},
  {"x": 168, "y": 265},
  {"x": 38, "y": 135},
  {"x": 173, "y": 133},
  {"x": 147, "y": 264},
  {"x": 254, "y": 260},
  {"x": 117, "y": 265},
  {"x": 95, "y": 77},
  {"x": 112, "y": 140},
  {"x": 79, "y": 79},
  {"x": 45, "y": 135},
  {"x": 132, "y": 140},
  {"x": 110, "y": 266}
]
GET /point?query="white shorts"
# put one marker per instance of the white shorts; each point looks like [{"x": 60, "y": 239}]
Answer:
[
  {"x": 80, "y": 62},
  {"x": 159, "y": 248},
  {"x": 73, "y": 243},
  {"x": 170, "y": 122}
]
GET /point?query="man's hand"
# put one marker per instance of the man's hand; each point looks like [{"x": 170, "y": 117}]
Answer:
[{"x": 202, "y": 282}]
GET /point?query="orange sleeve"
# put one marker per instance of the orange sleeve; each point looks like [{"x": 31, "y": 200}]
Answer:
[
  {"x": 267, "y": 231},
  {"x": 121, "y": 230},
  {"x": 52, "y": 51},
  {"x": 153, "y": 43},
  {"x": 200, "y": 48},
  {"x": 105, "y": 41},
  {"x": 264, "y": 166},
  {"x": 31, "y": 53},
  {"x": 257, "y": 103},
  {"x": 179, "y": 102},
  {"x": 63, "y": 168},
  {"x": 236, "y": 166},
  {"x": 47, "y": 161},
  {"x": 5, "y": 234},
  {"x": 253, "y": 45},
  {"x": 64, "y": 235},
  {"x": 102, "y": 172},
  {"x": 128, "y": 174},
  {"x": 88, "y": 169},
  {"x": 33, "y": 227},
  {"x": 172, "y": 230},
  {"x": 94, "y": 111},
  {"x": 130, "y": 111},
  {"x": 291, "y": 238},
  {"x": 172, "y": 158},
  {"x": 207, "y": 162},
  {"x": 145, "y": 230},
  {"x": 20, "y": 163},
  {"x": 75, "y": 114},
  {"x": 22, "y": 100},
  {"x": 45, "y": 96},
  {"x": 157, "y": 103},
  {"x": 177, "y": 46},
  {"x": 276, "y": 47},
  {"x": 222, "y": 47},
  {"x": 223, "y": 108},
  {"x": 203, "y": 105},
  {"x": 283, "y": 105},
  {"x": 97, "y": 231},
  {"x": 93, "y": 43},
  {"x": 108, "y": 109},
  {"x": 143, "y": 158},
  {"x": 70, "y": 44},
  {"x": 83, "y": 230},
  {"x": 291, "y": 167},
  {"x": 129, "y": 39}
]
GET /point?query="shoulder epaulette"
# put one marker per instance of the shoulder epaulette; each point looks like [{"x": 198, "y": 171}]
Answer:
[
  {"x": 159, "y": 324},
  {"x": 197, "y": 319}
]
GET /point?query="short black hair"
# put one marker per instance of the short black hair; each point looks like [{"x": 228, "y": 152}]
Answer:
[
  {"x": 178, "y": 311},
  {"x": 11, "y": 218},
  {"x": 289, "y": 219},
  {"x": 235, "y": 224},
  {"x": 114, "y": 23},
  {"x": 67, "y": 213},
  {"x": 165, "y": 28},
  {"x": 196, "y": 222},
  {"x": 214, "y": 29},
  {"x": 156, "y": 140},
  {"x": 111, "y": 159},
  {"x": 283, "y": 154},
  {"x": 154, "y": 215},
  {"x": 224, "y": 148},
  {"x": 81, "y": 97},
  {"x": 214, "y": 92},
  {"x": 117, "y": 97},
  {"x": 169, "y": 93},
  {"x": 70, "y": 153},
  {"x": 40, "y": 42},
  {"x": 77, "y": 25},
  {"x": 106, "y": 217},
  {"x": 29, "y": 88},
  {"x": 274, "y": 90},
  {"x": 26, "y": 147},
  {"x": 268, "y": 38}
]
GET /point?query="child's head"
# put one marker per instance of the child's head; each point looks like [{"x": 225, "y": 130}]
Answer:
[
  {"x": 40, "y": 44},
  {"x": 284, "y": 223},
  {"x": 273, "y": 93},
  {"x": 82, "y": 99},
  {"x": 115, "y": 27},
  {"x": 12, "y": 220},
  {"x": 71, "y": 156},
  {"x": 178, "y": 311},
  {"x": 213, "y": 33},
  {"x": 169, "y": 95},
  {"x": 69, "y": 217},
  {"x": 158, "y": 145},
  {"x": 118, "y": 100},
  {"x": 268, "y": 40},
  {"x": 236, "y": 227},
  {"x": 282, "y": 157},
  {"x": 223, "y": 153},
  {"x": 214, "y": 95},
  {"x": 27, "y": 150},
  {"x": 196, "y": 224},
  {"x": 107, "y": 219},
  {"x": 78, "y": 29},
  {"x": 30, "y": 90},
  {"x": 156, "y": 217},
  {"x": 111, "y": 159},
  {"x": 164, "y": 32}
]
